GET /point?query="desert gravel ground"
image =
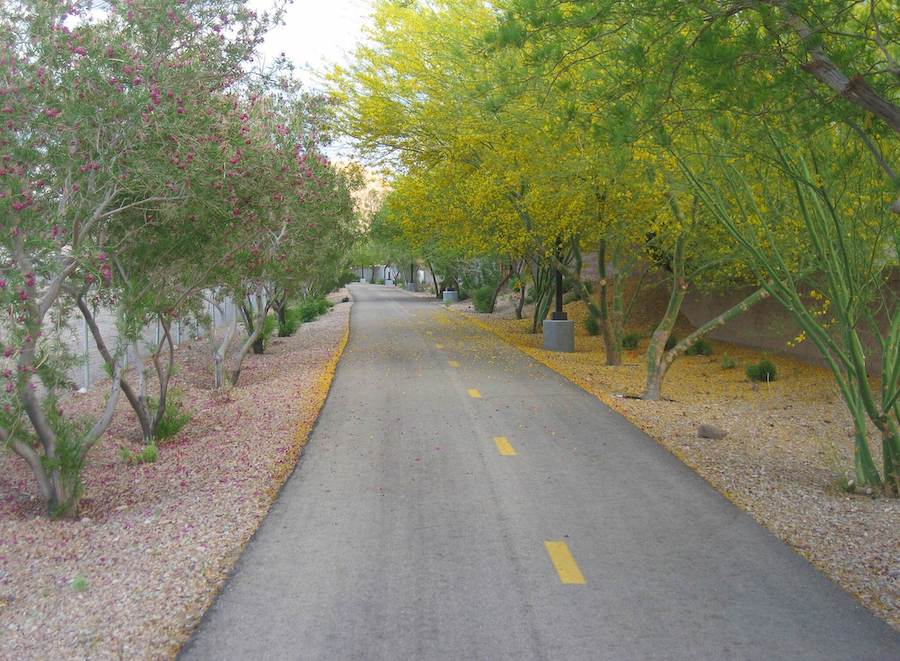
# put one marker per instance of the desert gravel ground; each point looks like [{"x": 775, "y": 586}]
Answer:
[
  {"x": 787, "y": 449},
  {"x": 154, "y": 542}
]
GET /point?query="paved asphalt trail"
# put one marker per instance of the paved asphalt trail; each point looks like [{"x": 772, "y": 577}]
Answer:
[{"x": 405, "y": 534}]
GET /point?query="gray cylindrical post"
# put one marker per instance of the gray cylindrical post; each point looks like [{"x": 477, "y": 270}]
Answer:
[{"x": 87, "y": 355}]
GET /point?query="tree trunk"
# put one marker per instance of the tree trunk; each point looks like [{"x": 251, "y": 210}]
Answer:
[
  {"x": 134, "y": 399},
  {"x": 704, "y": 330},
  {"x": 497, "y": 289},
  {"x": 521, "y": 305},
  {"x": 220, "y": 351},
  {"x": 261, "y": 311},
  {"x": 612, "y": 340},
  {"x": 656, "y": 348},
  {"x": 437, "y": 293}
]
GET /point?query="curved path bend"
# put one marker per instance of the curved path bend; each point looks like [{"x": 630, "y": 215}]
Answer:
[{"x": 459, "y": 501}]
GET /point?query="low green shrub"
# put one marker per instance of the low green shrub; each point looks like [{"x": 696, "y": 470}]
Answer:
[
  {"x": 346, "y": 278},
  {"x": 482, "y": 298},
  {"x": 311, "y": 308},
  {"x": 764, "y": 370},
  {"x": 291, "y": 322},
  {"x": 379, "y": 281},
  {"x": 727, "y": 362},
  {"x": 79, "y": 584},
  {"x": 174, "y": 419},
  {"x": 147, "y": 455},
  {"x": 700, "y": 348},
  {"x": 631, "y": 340},
  {"x": 591, "y": 325},
  {"x": 570, "y": 296}
]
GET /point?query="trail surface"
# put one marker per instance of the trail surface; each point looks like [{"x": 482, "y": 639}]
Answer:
[{"x": 459, "y": 501}]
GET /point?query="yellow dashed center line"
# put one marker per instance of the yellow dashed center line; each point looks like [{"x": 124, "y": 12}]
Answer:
[
  {"x": 504, "y": 447},
  {"x": 452, "y": 363},
  {"x": 565, "y": 564},
  {"x": 474, "y": 394}
]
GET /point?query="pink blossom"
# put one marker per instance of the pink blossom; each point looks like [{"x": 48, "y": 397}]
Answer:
[
  {"x": 2, "y": 283},
  {"x": 52, "y": 112},
  {"x": 29, "y": 279},
  {"x": 23, "y": 295},
  {"x": 9, "y": 386}
]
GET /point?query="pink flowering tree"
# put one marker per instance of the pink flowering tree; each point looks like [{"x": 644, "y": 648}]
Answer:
[{"x": 102, "y": 114}]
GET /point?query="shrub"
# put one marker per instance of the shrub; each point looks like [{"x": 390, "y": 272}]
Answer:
[
  {"x": 762, "y": 371},
  {"x": 569, "y": 296},
  {"x": 291, "y": 323},
  {"x": 379, "y": 281},
  {"x": 630, "y": 341},
  {"x": 79, "y": 584},
  {"x": 148, "y": 455},
  {"x": 700, "y": 348},
  {"x": 591, "y": 325},
  {"x": 311, "y": 308},
  {"x": 270, "y": 324},
  {"x": 346, "y": 278},
  {"x": 727, "y": 362},
  {"x": 174, "y": 419},
  {"x": 482, "y": 298},
  {"x": 671, "y": 342}
]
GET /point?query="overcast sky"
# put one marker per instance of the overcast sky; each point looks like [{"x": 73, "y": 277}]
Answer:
[{"x": 317, "y": 34}]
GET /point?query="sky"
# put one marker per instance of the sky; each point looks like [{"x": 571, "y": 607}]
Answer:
[{"x": 317, "y": 34}]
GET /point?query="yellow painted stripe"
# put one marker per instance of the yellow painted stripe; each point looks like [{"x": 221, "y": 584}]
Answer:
[
  {"x": 474, "y": 394},
  {"x": 439, "y": 346},
  {"x": 564, "y": 563},
  {"x": 504, "y": 447},
  {"x": 452, "y": 363}
]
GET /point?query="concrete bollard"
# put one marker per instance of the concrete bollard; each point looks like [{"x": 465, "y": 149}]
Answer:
[
  {"x": 451, "y": 296},
  {"x": 559, "y": 335}
]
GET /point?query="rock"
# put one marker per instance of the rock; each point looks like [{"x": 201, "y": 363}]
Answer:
[{"x": 711, "y": 431}]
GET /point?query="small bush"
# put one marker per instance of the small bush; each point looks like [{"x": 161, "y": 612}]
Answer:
[
  {"x": 379, "y": 281},
  {"x": 482, "y": 298},
  {"x": 569, "y": 296},
  {"x": 148, "y": 455},
  {"x": 727, "y": 362},
  {"x": 591, "y": 325},
  {"x": 700, "y": 348},
  {"x": 346, "y": 278},
  {"x": 174, "y": 419},
  {"x": 762, "y": 371},
  {"x": 270, "y": 324},
  {"x": 79, "y": 584},
  {"x": 291, "y": 323},
  {"x": 630, "y": 341},
  {"x": 671, "y": 342}
]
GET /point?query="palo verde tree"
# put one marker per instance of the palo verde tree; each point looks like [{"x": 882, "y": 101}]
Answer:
[{"x": 841, "y": 291}]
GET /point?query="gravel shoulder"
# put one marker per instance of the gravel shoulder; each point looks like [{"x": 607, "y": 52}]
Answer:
[
  {"x": 156, "y": 541},
  {"x": 786, "y": 449}
]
